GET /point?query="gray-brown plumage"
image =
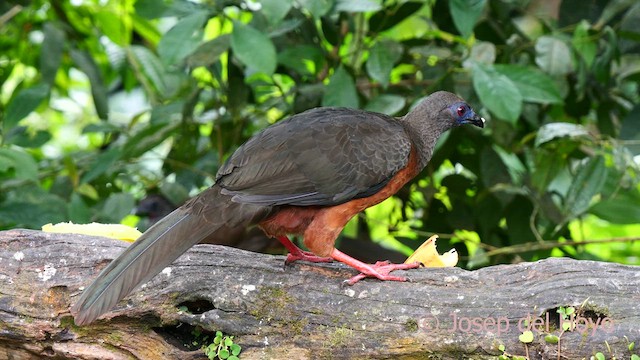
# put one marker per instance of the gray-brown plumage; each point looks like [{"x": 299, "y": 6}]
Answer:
[{"x": 305, "y": 175}]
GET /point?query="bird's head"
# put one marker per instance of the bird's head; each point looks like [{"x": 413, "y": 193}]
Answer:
[
  {"x": 440, "y": 112},
  {"x": 450, "y": 111},
  {"x": 461, "y": 113},
  {"x": 433, "y": 116}
]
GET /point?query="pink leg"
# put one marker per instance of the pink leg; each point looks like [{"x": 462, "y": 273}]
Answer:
[
  {"x": 379, "y": 270},
  {"x": 295, "y": 253}
]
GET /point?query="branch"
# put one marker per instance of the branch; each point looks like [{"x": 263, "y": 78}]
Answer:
[
  {"x": 551, "y": 244},
  {"x": 303, "y": 312},
  {"x": 10, "y": 14}
]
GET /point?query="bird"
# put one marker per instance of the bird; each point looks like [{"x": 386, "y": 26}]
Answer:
[{"x": 305, "y": 175}]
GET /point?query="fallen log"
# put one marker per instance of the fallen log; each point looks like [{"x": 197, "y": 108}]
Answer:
[{"x": 303, "y": 311}]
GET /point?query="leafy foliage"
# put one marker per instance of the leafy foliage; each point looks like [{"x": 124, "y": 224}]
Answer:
[
  {"x": 102, "y": 102},
  {"x": 222, "y": 348}
]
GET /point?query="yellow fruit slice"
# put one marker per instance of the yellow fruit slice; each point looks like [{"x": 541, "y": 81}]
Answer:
[
  {"x": 114, "y": 231},
  {"x": 428, "y": 256}
]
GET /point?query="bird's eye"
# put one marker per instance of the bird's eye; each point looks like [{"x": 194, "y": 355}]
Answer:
[{"x": 461, "y": 110}]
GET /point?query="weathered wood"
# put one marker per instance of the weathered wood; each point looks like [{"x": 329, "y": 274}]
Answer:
[{"x": 302, "y": 311}]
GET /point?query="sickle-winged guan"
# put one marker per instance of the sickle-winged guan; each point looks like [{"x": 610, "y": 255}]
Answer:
[{"x": 306, "y": 175}]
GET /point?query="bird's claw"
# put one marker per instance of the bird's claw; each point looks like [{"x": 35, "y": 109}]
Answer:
[
  {"x": 306, "y": 256},
  {"x": 381, "y": 270}
]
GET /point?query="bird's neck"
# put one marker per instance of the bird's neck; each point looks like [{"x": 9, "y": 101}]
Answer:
[{"x": 423, "y": 135}]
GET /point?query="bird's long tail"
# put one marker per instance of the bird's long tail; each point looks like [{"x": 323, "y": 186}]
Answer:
[{"x": 208, "y": 215}]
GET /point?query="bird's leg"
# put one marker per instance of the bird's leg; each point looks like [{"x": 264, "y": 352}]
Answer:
[
  {"x": 295, "y": 253},
  {"x": 379, "y": 270}
]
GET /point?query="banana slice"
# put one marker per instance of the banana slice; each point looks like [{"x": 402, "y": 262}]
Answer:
[
  {"x": 428, "y": 256},
  {"x": 114, "y": 231}
]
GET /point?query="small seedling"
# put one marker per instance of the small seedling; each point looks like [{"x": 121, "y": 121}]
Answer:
[
  {"x": 526, "y": 337},
  {"x": 551, "y": 339},
  {"x": 222, "y": 348},
  {"x": 566, "y": 312}
]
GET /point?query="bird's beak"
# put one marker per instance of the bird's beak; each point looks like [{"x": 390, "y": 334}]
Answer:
[{"x": 477, "y": 120}]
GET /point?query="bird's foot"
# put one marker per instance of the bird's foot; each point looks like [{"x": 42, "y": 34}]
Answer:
[
  {"x": 305, "y": 256},
  {"x": 381, "y": 270},
  {"x": 295, "y": 253}
]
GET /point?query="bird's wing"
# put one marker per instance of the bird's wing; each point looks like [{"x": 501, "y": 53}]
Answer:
[{"x": 325, "y": 156}]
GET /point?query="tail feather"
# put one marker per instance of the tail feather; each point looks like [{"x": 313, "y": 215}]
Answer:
[{"x": 201, "y": 218}]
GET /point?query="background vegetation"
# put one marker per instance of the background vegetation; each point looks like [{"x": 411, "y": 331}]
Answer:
[{"x": 105, "y": 101}]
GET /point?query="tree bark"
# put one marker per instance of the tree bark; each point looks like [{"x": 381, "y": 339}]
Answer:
[{"x": 303, "y": 311}]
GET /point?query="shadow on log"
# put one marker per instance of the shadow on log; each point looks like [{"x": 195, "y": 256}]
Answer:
[{"x": 303, "y": 311}]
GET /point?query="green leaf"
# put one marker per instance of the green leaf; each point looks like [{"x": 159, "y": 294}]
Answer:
[
  {"x": 235, "y": 349},
  {"x": 600, "y": 356},
  {"x": 341, "y": 90},
  {"x": 51, "y": 52},
  {"x": 88, "y": 191},
  {"x": 621, "y": 209},
  {"x": 554, "y": 131},
  {"x": 630, "y": 130},
  {"x": 223, "y": 354},
  {"x": 85, "y": 62},
  {"x": 585, "y": 45},
  {"x": 103, "y": 162},
  {"x": 386, "y": 104},
  {"x": 630, "y": 28},
  {"x": 478, "y": 259},
  {"x": 612, "y": 9},
  {"x": 534, "y": 85},
  {"x": 79, "y": 212},
  {"x": 147, "y": 138},
  {"x": 382, "y": 58},
  {"x": 391, "y": 16},
  {"x": 303, "y": 59},
  {"x": 117, "y": 27},
  {"x": 253, "y": 48},
  {"x": 152, "y": 67},
  {"x": 174, "y": 192},
  {"x": 101, "y": 127},
  {"x": 275, "y": 10},
  {"x": 228, "y": 341},
  {"x": 497, "y": 92},
  {"x": 21, "y": 136},
  {"x": 151, "y": 9},
  {"x": 117, "y": 206},
  {"x": 209, "y": 52},
  {"x": 23, "y": 104},
  {"x": 182, "y": 39},
  {"x": 482, "y": 52},
  {"x": 317, "y": 8},
  {"x": 551, "y": 339},
  {"x": 514, "y": 166},
  {"x": 547, "y": 167},
  {"x": 526, "y": 337},
  {"x": 145, "y": 28},
  {"x": 285, "y": 27},
  {"x": 465, "y": 14},
  {"x": 356, "y": 6},
  {"x": 553, "y": 56},
  {"x": 33, "y": 213},
  {"x": 587, "y": 183},
  {"x": 22, "y": 164}
]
